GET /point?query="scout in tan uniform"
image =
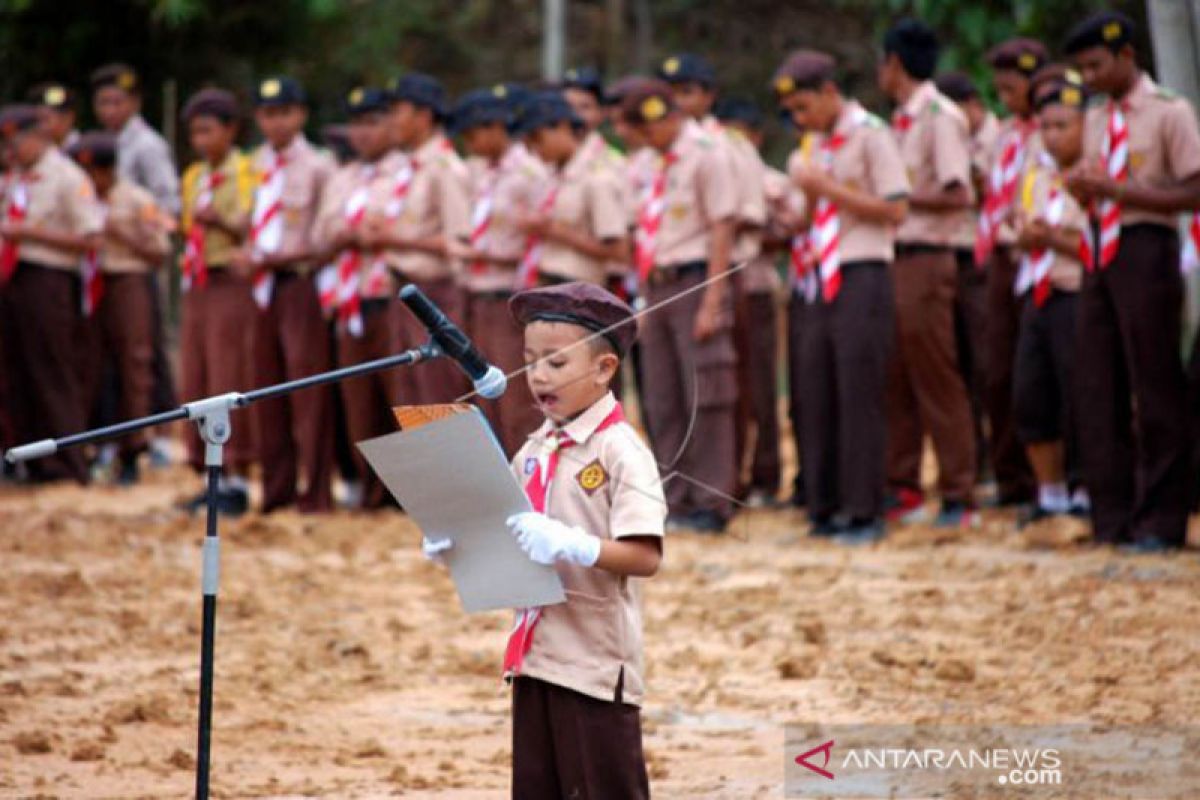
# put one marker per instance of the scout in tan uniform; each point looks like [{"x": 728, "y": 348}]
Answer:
[
  {"x": 577, "y": 667},
  {"x": 856, "y": 194},
  {"x": 56, "y": 104},
  {"x": 758, "y": 348},
  {"x": 136, "y": 240},
  {"x": 429, "y": 207},
  {"x": 290, "y": 339},
  {"x": 926, "y": 392},
  {"x": 507, "y": 183},
  {"x": 1049, "y": 223},
  {"x": 1140, "y": 169},
  {"x": 49, "y": 220},
  {"x": 684, "y": 236},
  {"x": 1013, "y": 64},
  {"x": 363, "y": 295},
  {"x": 579, "y": 227},
  {"x": 216, "y": 330},
  {"x": 970, "y": 302}
]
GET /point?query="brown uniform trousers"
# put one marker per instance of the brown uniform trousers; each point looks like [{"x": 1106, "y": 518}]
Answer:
[
  {"x": 368, "y": 399},
  {"x": 295, "y": 432},
  {"x": 1193, "y": 374},
  {"x": 798, "y": 310},
  {"x": 1014, "y": 478},
  {"x": 970, "y": 336},
  {"x": 439, "y": 381},
  {"x": 925, "y": 391},
  {"x": 757, "y": 413},
  {"x": 123, "y": 337},
  {"x": 513, "y": 415},
  {"x": 844, "y": 360},
  {"x": 1135, "y": 462},
  {"x": 566, "y": 744},
  {"x": 216, "y": 356},
  {"x": 1044, "y": 395},
  {"x": 690, "y": 394},
  {"x": 43, "y": 365}
]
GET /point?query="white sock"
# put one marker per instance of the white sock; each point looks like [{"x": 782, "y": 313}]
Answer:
[
  {"x": 1081, "y": 500},
  {"x": 1054, "y": 497}
]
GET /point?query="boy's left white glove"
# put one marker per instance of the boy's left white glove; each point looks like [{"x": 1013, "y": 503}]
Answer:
[{"x": 546, "y": 540}]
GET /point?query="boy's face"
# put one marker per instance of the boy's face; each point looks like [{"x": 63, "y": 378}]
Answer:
[
  {"x": 1062, "y": 132},
  {"x": 693, "y": 99},
  {"x": 114, "y": 106},
  {"x": 1013, "y": 90},
  {"x": 407, "y": 123},
  {"x": 486, "y": 141},
  {"x": 627, "y": 133},
  {"x": 211, "y": 138},
  {"x": 369, "y": 135},
  {"x": 565, "y": 375},
  {"x": 1103, "y": 70},
  {"x": 27, "y": 147},
  {"x": 553, "y": 144},
  {"x": 102, "y": 178},
  {"x": 813, "y": 109},
  {"x": 280, "y": 124},
  {"x": 888, "y": 74},
  {"x": 57, "y": 123},
  {"x": 661, "y": 133},
  {"x": 586, "y": 106}
]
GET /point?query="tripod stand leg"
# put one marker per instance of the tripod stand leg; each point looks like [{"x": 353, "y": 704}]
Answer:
[{"x": 208, "y": 633}]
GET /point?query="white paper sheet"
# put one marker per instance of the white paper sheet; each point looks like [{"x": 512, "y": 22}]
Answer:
[{"x": 453, "y": 480}]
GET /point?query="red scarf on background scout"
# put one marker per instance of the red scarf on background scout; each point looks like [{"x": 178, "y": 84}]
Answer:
[
  {"x": 651, "y": 207},
  {"x": 1191, "y": 245},
  {"x": 825, "y": 234},
  {"x": 800, "y": 253},
  {"x": 266, "y": 226},
  {"x": 90, "y": 275},
  {"x": 1115, "y": 160},
  {"x": 527, "y": 270},
  {"x": 481, "y": 210},
  {"x": 1002, "y": 188},
  {"x": 195, "y": 267},
  {"x": 541, "y": 470},
  {"x": 348, "y": 300},
  {"x": 18, "y": 207},
  {"x": 1036, "y": 264},
  {"x": 377, "y": 276}
]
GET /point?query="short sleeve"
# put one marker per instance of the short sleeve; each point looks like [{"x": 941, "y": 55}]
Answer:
[
  {"x": 751, "y": 173},
  {"x": 1182, "y": 140},
  {"x": 454, "y": 197},
  {"x": 888, "y": 177},
  {"x": 638, "y": 506},
  {"x": 86, "y": 212},
  {"x": 606, "y": 211},
  {"x": 951, "y": 150},
  {"x": 715, "y": 186}
]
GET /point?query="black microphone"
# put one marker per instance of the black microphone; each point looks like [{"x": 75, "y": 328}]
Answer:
[{"x": 489, "y": 380}]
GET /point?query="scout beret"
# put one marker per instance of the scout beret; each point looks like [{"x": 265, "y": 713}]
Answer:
[
  {"x": 803, "y": 69},
  {"x": 480, "y": 107},
  {"x": 648, "y": 102},
  {"x": 516, "y": 98},
  {"x": 915, "y": 44},
  {"x": 616, "y": 91},
  {"x": 1057, "y": 84},
  {"x": 52, "y": 95},
  {"x": 546, "y": 110},
  {"x": 687, "y": 68},
  {"x": 95, "y": 149},
  {"x": 211, "y": 102},
  {"x": 17, "y": 118},
  {"x": 421, "y": 90},
  {"x": 366, "y": 99},
  {"x": 279, "y": 90},
  {"x": 585, "y": 78},
  {"x": 120, "y": 75},
  {"x": 1022, "y": 55},
  {"x": 738, "y": 109},
  {"x": 958, "y": 86},
  {"x": 577, "y": 303},
  {"x": 1109, "y": 29}
]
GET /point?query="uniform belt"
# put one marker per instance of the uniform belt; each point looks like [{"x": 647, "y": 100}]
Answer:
[
  {"x": 549, "y": 279},
  {"x": 662, "y": 276},
  {"x": 920, "y": 248},
  {"x": 373, "y": 305},
  {"x": 495, "y": 294}
]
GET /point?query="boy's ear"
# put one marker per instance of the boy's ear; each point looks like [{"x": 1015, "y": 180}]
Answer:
[{"x": 609, "y": 364}]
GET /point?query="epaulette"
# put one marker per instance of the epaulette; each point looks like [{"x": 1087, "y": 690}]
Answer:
[
  {"x": 935, "y": 106},
  {"x": 874, "y": 121},
  {"x": 1165, "y": 93}
]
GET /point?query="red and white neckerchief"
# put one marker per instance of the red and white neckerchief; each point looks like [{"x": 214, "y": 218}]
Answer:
[
  {"x": 481, "y": 215},
  {"x": 1002, "y": 188},
  {"x": 348, "y": 299},
  {"x": 901, "y": 121},
  {"x": 1115, "y": 157},
  {"x": 402, "y": 182},
  {"x": 824, "y": 237},
  {"x": 1191, "y": 245},
  {"x": 650, "y": 214},
  {"x": 90, "y": 275},
  {"x": 531, "y": 259},
  {"x": 541, "y": 469},
  {"x": 1036, "y": 264},
  {"x": 195, "y": 266},
  {"x": 266, "y": 226},
  {"x": 804, "y": 274},
  {"x": 18, "y": 208}
]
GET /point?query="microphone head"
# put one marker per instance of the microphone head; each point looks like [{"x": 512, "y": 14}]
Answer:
[{"x": 492, "y": 384}]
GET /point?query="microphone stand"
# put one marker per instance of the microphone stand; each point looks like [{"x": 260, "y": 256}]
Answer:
[{"x": 212, "y": 417}]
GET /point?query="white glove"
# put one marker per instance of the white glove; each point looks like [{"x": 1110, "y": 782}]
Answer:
[
  {"x": 432, "y": 549},
  {"x": 546, "y": 540}
]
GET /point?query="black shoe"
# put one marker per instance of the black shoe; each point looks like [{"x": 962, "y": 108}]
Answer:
[
  {"x": 233, "y": 502},
  {"x": 193, "y": 504},
  {"x": 1149, "y": 546},
  {"x": 1034, "y": 514},
  {"x": 825, "y": 528},
  {"x": 705, "y": 522},
  {"x": 861, "y": 532},
  {"x": 128, "y": 474}
]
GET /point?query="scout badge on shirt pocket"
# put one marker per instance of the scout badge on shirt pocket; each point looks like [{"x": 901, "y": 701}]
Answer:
[{"x": 592, "y": 477}]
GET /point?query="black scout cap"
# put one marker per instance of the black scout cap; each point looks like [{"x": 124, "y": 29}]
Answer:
[
  {"x": 958, "y": 86},
  {"x": 279, "y": 91},
  {"x": 421, "y": 90},
  {"x": 585, "y": 78},
  {"x": 17, "y": 118},
  {"x": 803, "y": 69},
  {"x": 578, "y": 303},
  {"x": 122, "y": 76},
  {"x": 647, "y": 102},
  {"x": 217, "y": 103},
  {"x": 365, "y": 100},
  {"x": 52, "y": 95},
  {"x": 546, "y": 110},
  {"x": 95, "y": 149},
  {"x": 478, "y": 108},
  {"x": 1022, "y": 55},
  {"x": 688, "y": 68},
  {"x": 1104, "y": 29}
]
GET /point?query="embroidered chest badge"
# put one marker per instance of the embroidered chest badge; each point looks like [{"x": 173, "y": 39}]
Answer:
[
  {"x": 530, "y": 465},
  {"x": 592, "y": 477}
]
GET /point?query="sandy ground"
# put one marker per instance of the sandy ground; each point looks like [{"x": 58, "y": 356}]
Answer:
[{"x": 345, "y": 667}]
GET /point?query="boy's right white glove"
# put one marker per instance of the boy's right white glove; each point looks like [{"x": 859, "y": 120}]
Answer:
[{"x": 433, "y": 549}]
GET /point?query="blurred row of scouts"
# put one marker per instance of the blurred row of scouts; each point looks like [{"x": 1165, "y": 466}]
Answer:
[{"x": 1011, "y": 289}]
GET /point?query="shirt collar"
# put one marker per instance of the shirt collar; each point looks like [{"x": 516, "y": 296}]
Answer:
[
  {"x": 579, "y": 162},
  {"x": 425, "y": 153},
  {"x": 923, "y": 95},
  {"x": 1144, "y": 87},
  {"x": 852, "y": 114},
  {"x": 580, "y": 429}
]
